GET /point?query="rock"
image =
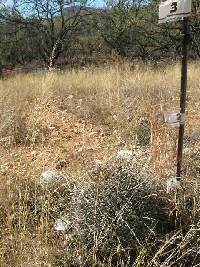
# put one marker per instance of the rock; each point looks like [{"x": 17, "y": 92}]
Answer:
[
  {"x": 63, "y": 224},
  {"x": 52, "y": 176},
  {"x": 70, "y": 97},
  {"x": 124, "y": 154},
  {"x": 4, "y": 168},
  {"x": 172, "y": 185}
]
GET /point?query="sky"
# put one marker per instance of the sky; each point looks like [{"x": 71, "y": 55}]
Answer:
[
  {"x": 94, "y": 3},
  {"x": 27, "y": 11},
  {"x": 98, "y": 3}
]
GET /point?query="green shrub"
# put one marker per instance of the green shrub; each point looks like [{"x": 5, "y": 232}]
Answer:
[{"x": 121, "y": 214}]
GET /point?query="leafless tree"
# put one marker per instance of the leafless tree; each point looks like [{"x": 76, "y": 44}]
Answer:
[{"x": 55, "y": 22}]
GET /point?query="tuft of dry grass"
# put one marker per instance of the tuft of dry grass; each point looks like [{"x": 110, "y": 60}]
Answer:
[{"x": 75, "y": 122}]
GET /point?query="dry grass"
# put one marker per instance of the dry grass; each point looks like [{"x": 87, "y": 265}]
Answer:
[{"x": 69, "y": 120}]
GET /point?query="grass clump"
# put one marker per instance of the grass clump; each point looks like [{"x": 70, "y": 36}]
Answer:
[{"x": 121, "y": 215}]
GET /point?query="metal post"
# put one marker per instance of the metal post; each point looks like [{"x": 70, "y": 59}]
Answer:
[{"x": 185, "y": 34}]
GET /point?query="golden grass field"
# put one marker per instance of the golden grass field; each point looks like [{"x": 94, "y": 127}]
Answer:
[{"x": 69, "y": 121}]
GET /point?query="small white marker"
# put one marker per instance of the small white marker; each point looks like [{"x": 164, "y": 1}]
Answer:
[
  {"x": 173, "y": 119},
  {"x": 172, "y": 184}
]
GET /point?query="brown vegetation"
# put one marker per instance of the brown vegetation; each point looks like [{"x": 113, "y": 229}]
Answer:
[{"x": 70, "y": 121}]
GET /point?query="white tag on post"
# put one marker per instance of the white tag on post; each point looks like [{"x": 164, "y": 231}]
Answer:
[
  {"x": 170, "y": 10},
  {"x": 173, "y": 119}
]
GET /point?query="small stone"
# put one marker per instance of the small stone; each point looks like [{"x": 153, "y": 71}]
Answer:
[
  {"x": 124, "y": 154},
  {"x": 63, "y": 224},
  {"x": 4, "y": 168},
  {"x": 172, "y": 185},
  {"x": 52, "y": 176},
  {"x": 70, "y": 96}
]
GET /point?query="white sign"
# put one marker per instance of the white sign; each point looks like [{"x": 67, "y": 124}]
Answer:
[
  {"x": 170, "y": 10},
  {"x": 173, "y": 119}
]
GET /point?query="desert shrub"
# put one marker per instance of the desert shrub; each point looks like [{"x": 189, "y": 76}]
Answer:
[
  {"x": 143, "y": 132},
  {"x": 13, "y": 125},
  {"x": 121, "y": 214}
]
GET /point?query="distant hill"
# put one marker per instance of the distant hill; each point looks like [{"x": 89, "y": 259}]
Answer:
[{"x": 74, "y": 9}]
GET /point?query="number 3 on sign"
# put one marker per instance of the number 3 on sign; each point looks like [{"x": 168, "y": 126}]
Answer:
[
  {"x": 173, "y": 7},
  {"x": 170, "y": 10}
]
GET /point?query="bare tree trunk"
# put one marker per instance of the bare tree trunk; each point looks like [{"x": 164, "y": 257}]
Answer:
[{"x": 54, "y": 55}]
